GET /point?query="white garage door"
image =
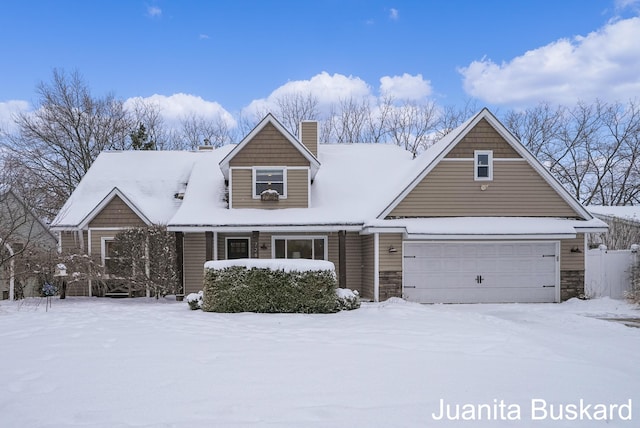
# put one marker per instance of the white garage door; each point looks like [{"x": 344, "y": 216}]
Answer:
[{"x": 472, "y": 272}]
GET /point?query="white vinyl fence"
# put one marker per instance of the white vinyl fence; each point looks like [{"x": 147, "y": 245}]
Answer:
[{"x": 608, "y": 273}]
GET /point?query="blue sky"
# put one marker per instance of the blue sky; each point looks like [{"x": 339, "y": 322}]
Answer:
[{"x": 226, "y": 56}]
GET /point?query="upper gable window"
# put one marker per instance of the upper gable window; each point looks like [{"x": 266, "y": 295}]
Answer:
[
  {"x": 483, "y": 165},
  {"x": 265, "y": 179}
]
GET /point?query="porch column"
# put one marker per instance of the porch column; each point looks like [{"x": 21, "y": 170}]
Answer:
[
  {"x": 180, "y": 261},
  {"x": 255, "y": 244},
  {"x": 208, "y": 239},
  {"x": 342, "y": 259}
]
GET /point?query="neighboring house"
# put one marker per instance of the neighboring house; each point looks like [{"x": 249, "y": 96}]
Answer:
[
  {"x": 624, "y": 226},
  {"x": 20, "y": 231},
  {"x": 475, "y": 218}
]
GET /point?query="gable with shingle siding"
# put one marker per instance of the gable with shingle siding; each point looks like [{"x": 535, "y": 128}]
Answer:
[
  {"x": 269, "y": 148},
  {"x": 450, "y": 190}
]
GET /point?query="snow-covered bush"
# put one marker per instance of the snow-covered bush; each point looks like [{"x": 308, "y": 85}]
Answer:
[
  {"x": 347, "y": 300},
  {"x": 195, "y": 300},
  {"x": 270, "y": 286}
]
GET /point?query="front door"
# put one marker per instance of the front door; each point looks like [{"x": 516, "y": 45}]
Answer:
[{"x": 237, "y": 248}]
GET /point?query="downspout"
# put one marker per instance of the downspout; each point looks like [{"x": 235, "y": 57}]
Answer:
[{"x": 376, "y": 267}]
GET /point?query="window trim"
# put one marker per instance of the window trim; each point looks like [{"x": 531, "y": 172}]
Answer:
[
  {"x": 226, "y": 245},
  {"x": 489, "y": 165},
  {"x": 254, "y": 172},
  {"x": 286, "y": 238}
]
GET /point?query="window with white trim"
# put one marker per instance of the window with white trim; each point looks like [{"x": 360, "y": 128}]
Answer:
[
  {"x": 300, "y": 247},
  {"x": 483, "y": 165},
  {"x": 269, "y": 180}
]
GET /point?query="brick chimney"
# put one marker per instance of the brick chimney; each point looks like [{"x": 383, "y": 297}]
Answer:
[{"x": 309, "y": 135}]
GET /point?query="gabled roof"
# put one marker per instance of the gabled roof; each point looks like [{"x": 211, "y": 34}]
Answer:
[
  {"x": 41, "y": 232},
  {"x": 146, "y": 180},
  {"x": 104, "y": 202},
  {"x": 270, "y": 119},
  {"x": 429, "y": 159}
]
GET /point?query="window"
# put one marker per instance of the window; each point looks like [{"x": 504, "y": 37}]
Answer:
[
  {"x": 269, "y": 179},
  {"x": 483, "y": 165},
  {"x": 237, "y": 248},
  {"x": 300, "y": 247},
  {"x": 114, "y": 267}
]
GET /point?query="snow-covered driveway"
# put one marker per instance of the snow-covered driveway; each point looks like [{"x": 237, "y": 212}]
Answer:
[{"x": 142, "y": 363}]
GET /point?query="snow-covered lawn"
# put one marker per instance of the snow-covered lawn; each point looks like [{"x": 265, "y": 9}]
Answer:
[{"x": 141, "y": 363}]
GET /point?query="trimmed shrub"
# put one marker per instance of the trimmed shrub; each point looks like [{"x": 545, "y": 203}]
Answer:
[
  {"x": 265, "y": 290},
  {"x": 347, "y": 300}
]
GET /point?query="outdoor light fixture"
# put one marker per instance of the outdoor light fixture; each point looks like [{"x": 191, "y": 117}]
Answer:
[
  {"x": 392, "y": 249},
  {"x": 575, "y": 250}
]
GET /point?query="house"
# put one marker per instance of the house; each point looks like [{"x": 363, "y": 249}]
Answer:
[
  {"x": 475, "y": 218},
  {"x": 20, "y": 232}
]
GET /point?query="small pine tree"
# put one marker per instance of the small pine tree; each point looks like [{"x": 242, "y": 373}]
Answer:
[{"x": 140, "y": 139}]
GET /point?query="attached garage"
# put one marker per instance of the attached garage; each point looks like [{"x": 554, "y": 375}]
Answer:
[{"x": 481, "y": 272}]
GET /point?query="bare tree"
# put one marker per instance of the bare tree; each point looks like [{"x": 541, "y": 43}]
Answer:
[
  {"x": 57, "y": 143},
  {"x": 412, "y": 126},
  {"x": 348, "y": 121},
  {"x": 198, "y": 130},
  {"x": 295, "y": 107}
]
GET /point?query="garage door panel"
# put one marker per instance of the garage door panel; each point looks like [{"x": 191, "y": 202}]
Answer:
[{"x": 480, "y": 272}]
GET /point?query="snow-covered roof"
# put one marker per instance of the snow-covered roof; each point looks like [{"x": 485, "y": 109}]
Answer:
[
  {"x": 630, "y": 213},
  {"x": 148, "y": 180},
  {"x": 348, "y": 172}
]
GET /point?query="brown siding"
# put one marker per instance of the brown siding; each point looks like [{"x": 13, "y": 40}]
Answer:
[
  {"x": 116, "y": 214},
  {"x": 222, "y": 243},
  {"x": 450, "y": 191},
  {"x": 269, "y": 147},
  {"x": 297, "y": 190},
  {"x": 483, "y": 137},
  {"x": 569, "y": 260},
  {"x": 96, "y": 240},
  {"x": 366, "y": 290},
  {"x": 194, "y": 258},
  {"x": 70, "y": 241},
  {"x": 390, "y": 261}
]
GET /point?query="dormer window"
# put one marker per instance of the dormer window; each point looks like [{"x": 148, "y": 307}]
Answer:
[
  {"x": 483, "y": 165},
  {"x": 269, "y": 180}
]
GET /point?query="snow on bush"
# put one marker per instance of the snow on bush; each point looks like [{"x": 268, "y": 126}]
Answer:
[
  {"x": 347, "y": 299},
  {"x": 195, "y": 300},
  {"x": 286, "y": 265}
]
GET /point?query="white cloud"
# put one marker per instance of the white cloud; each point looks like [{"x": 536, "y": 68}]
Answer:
[
  {"x": 405, "y": 87},
  {"x": 203, "y": 36},
  {"x": 394, "y": 14},
  {"x": 327, "y": 89},
  {"x": 603, "y": 64},
  {"x": 7, "y": 110},
  {"x": 176, "y": 107},
  {"x": 154, "y": 11}
]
